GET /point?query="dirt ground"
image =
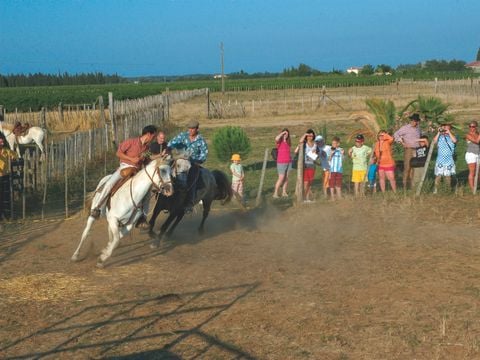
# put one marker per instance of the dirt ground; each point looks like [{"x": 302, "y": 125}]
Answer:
[{"x": 375, "y": 278}]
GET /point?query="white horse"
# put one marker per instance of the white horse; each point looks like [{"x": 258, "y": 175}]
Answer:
[
  {"x": 125, "y": 204},
  {"x": 34, "y": 134}
]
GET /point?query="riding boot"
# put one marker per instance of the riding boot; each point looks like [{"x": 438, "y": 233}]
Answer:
[{"x": 105, "y": 192}]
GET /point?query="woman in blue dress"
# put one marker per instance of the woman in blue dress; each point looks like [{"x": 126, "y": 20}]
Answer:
[{"x": 445, "y": 164}]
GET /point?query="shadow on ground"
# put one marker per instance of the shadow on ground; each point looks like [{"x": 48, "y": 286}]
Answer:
[{"x": 167, "y": 326}]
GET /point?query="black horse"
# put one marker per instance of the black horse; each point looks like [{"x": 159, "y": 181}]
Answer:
[{"x": 211, "y": 185}]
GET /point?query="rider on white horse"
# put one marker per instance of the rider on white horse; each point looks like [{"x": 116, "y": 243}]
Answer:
[
  {"x": 131, "y": 153},
  {"x": 194, "y": 143}
]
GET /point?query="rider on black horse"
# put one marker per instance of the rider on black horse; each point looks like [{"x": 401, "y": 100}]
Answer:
[{"x": 194, "y": 143}]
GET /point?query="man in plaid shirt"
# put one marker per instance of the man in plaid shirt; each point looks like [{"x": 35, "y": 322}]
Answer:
[{"x": 193, "y": 142}]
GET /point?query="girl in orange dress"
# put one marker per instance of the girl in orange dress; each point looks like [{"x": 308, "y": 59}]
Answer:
[{"x": 386, "y": 164}]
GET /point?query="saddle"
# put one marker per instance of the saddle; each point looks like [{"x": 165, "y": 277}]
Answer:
[
  {"x": 126, "y": 173},
  {"x": 21, "y": 130}
]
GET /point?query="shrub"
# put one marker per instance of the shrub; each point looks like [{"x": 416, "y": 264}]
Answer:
[{"x": 230, "y": 140}]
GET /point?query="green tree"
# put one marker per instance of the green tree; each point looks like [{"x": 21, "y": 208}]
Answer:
[
  {"x": 383, "y": 68},
  {"x": 230, "y": 140},
  {"x": 478, "y": 54},
  {"x": 367, "y": 70}
]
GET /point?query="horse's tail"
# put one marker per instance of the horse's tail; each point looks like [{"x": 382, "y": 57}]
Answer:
[{"x": 224, "y": 187}]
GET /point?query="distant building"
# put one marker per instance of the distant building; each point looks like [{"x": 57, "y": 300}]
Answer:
[
  {"x": 354, "y": 70},
  {"x": 219, "y": 76},
  {"x": 475, "y": 66}
]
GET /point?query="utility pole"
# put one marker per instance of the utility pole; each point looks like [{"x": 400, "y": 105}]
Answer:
[{"x": 223, "y": 74}]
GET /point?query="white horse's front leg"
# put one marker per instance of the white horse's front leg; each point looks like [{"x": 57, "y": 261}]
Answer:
[
  {"x": 114, "y": 239},
  {"x": 90, "y": 221}
]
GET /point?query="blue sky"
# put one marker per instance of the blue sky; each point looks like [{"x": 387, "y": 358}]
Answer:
[{"x": 172, "y": 37}]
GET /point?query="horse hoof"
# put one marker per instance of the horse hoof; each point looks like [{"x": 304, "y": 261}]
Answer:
[
  {"x": 154, "y": 245},
  {"x": 75, "y": 258},
  {"x": 100, "y": 265}
]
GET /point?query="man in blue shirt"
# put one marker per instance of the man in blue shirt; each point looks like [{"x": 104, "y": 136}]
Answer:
[{"x": 193, "y": 142}]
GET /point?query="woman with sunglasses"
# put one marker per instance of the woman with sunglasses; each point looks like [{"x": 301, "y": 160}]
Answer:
[
  {"x": 311, "y": 152},
  {"x": 473, "y": 149}
]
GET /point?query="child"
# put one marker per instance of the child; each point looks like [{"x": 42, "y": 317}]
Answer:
[
  {"x": 418, "y": 162},
  {"x": 372, "y": 175},
  {"x": 323, "y": 158},
  {"x": 359, "y": 154},
  {"x": 336, "y": 168},
  {"x": 238, "y": 177}
]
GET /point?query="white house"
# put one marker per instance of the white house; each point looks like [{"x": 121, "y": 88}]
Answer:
[
  {"x": 219, "y": 76},
  {"x": 475, "y": 66},
  {"x": 354, "y": 70}
]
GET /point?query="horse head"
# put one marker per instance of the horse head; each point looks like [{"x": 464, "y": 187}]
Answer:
[
  {"x": 181, "y": 165},
  {"x": 163, "y": 175}
]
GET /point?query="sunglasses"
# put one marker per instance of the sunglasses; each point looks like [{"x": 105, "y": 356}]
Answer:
[{"x": 471, "y": 126}]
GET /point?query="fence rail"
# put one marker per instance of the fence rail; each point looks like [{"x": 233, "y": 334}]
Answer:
[{"x": 68, "y": 155}]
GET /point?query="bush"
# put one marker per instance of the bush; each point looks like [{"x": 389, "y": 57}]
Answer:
[{"x": 230, "y": 140}]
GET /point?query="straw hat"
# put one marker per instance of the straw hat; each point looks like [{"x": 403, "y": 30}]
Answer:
[{"x": 236, "y": 157}]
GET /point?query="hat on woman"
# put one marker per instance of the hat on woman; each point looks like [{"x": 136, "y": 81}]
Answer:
[{"x": 236, "y": 157}]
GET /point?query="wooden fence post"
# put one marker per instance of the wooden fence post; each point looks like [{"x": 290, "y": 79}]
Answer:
[
  {"x": 475, "y": 182},
  {"x": 208, "y": 102},
  {"x": 66, "y": 179},
  {"x": 60, "y": 112},
  {"x": 425, "y": 169},
  {"x": 111, "y": 110},
  {"x": 2, "y": 113},
  {"x": 262, "y": 178},
  {"x": 299, "y": 185},
  {"x": 45, "y": 177}
]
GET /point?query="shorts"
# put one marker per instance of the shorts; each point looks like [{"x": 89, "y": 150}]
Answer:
[
  {"x": 308, "y": 174},
  {"x": 386, "y": 168},
  {"x": 359, "y": 176},
  {"x": 444, "y": 170},
  {"x": 471, "y": 158},
  {"x": 335, "y": 180},
  {"x": 283, "y": 168}
]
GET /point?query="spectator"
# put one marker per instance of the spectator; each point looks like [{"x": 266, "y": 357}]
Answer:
[
  {"x": 159, "y": 144},
  {"x": 418, "y": 162},
  {"x": 336, "y": 168},
  {"x": 471, "y": 155},
  {"x": 445, "y": 163},
  {"x": 238, "y": 177},
  {"x": 360, "y": 154},
  {"x": 384, "y": 159},
  {"x": 323, "y": 160},
  {"x": 284, "y": 161},
  {"x": 408, "y": 136},
  {"x": 310, "y": 151},
  {"x": 372, "y": 175},
  {"x": 6, "y": 155}
]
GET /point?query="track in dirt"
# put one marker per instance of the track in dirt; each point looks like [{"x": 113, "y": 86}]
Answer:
[{"x": 375, "y": 278}]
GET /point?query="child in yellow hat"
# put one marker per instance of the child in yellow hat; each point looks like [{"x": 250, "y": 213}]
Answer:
[{"x": 238, "y": 177}]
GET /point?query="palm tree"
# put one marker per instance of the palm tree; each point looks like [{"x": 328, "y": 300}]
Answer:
[
  {"x": 431, "y": 109},
  {"x": 381, "y": 116}
]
